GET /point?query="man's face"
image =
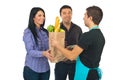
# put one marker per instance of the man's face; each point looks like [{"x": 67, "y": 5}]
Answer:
[
  {"x": 86, "y": 19},
  {"x": 66, "y": 15}
]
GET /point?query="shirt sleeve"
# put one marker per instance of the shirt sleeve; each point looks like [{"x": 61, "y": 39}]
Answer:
[
  {"x": 84, "y": 41},
  {"x": 30, "y": 44}
]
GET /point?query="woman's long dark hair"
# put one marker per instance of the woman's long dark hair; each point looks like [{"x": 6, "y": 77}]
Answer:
[{"x": 31, "y": 24}]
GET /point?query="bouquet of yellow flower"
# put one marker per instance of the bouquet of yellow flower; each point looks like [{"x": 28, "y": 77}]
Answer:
[{"x": 58, "y": 34}]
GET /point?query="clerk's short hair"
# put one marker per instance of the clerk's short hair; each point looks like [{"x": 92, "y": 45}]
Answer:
[{"x": 96, "y": 14}]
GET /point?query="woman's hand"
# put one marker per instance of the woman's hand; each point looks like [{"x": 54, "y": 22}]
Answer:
[{"x": 48, "y": 55}]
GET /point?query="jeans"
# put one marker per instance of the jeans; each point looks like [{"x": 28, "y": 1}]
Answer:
[{"x": 29, "y": 74}]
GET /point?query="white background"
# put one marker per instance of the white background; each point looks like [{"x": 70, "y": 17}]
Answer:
[{"x": 14, "y": 16}]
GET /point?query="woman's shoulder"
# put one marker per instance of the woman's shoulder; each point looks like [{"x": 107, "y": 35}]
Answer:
[
  {"x": 27, "y": 34},
  {"x": 27, "y": 30}
]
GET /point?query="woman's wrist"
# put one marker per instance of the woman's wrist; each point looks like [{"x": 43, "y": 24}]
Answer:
[{"x": 43, "y": 53}]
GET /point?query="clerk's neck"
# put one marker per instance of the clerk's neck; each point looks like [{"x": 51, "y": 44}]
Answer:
[{"x": 92, "y": 25}]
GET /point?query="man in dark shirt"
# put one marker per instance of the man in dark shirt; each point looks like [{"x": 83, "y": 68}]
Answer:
[
  {"x": 72, "y": 34},
  {"x": 88, "y": 51}
]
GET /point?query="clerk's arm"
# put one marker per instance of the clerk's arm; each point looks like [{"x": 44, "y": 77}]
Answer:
[{"x": 72, "y": 55}]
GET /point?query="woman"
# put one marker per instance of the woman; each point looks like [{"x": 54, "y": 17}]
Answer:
[{"x": 36, "y": 44}]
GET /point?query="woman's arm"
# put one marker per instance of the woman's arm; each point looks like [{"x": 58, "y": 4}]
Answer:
[{"x": 30, "y": 44}]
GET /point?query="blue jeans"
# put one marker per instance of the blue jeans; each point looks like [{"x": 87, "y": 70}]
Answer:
[{"x": 29, "y": 74}]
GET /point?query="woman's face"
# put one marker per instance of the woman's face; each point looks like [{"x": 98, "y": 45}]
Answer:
[{"x": 39, "y": 18}]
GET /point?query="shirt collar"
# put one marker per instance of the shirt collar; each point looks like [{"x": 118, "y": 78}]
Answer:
[
  {"x": 62, "y": 26},
  {"x": 39, "y": 29},
  {"x": 94, "y": 27}
]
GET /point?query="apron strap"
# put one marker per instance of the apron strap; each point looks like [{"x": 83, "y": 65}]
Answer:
[
  {"x": 99, "y": 72},
  {"x": 81, "y": 71}
]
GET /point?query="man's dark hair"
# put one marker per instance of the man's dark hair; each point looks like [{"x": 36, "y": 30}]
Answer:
[
  {"x": 96, "y": 14},
  {"x": 64, "y": 7}
]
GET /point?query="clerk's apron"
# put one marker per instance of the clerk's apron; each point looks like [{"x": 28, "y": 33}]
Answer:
[{"x": 81, "y": 72}]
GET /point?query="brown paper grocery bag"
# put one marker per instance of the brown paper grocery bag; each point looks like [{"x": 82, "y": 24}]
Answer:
[{"x": 60, "y": 37}]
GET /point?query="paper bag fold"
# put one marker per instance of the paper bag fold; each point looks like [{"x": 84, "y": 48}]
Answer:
[{"x": 60, "y": 37}]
